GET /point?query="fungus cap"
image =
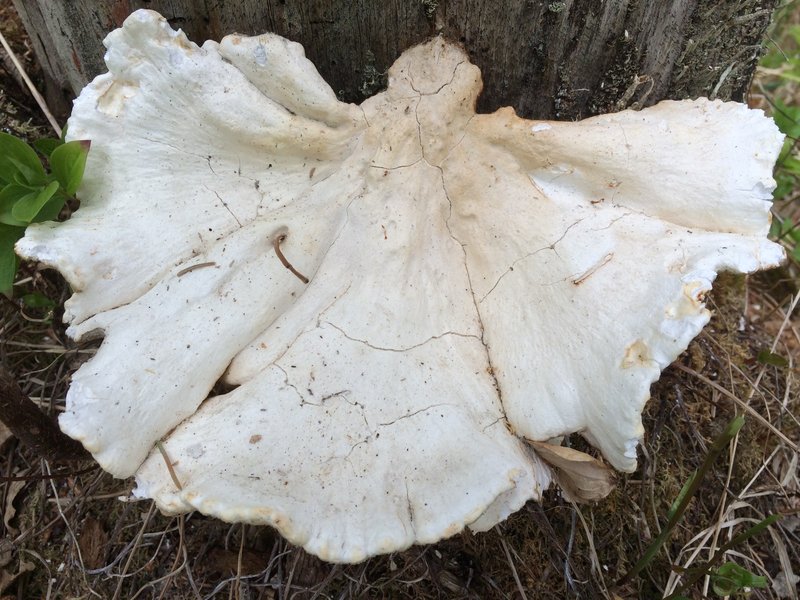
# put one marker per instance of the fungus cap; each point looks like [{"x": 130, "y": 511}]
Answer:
[{"x": 477, "y": 285}]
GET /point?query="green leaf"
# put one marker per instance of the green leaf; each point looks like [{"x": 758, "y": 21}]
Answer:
[
  {"x": 681, "y": 496},
  {"x": 16, "y": 157},
  {"x": 765, "y": 357},
  {"x": 784, "y": 226},
  {"x": 9, "y": 196},
  {"x": 37, "y": 300},
  {"x": 50, "y": 210},
  {"x": 47, "y": 145},
  {"x": 787, "y": 118},
  {"x": 792, "y": 165},
  {"x": 794, "y": 31},
  {"x": 785, "y": 185},
  {"x": 25, "y": 175},
  {"x": 731, "y": 578},
  {"x": 28, "y": 207},
  {"x": 737, "y": 540},
  {"x": 687, "y": 493},
  {"x": 789, "y": 76},
  {"x": 8, "y": 259},
  {"x": 68, "y": 162},
  {"x": 772, "y": 60},
  {"x": 781, "y": 228}
]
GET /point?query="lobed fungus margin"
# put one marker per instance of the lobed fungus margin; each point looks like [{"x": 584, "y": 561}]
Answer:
[{"x": 414, "y": 301}]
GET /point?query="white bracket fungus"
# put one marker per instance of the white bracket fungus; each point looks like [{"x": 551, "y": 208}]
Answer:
[{"x": 412, "y": 299}]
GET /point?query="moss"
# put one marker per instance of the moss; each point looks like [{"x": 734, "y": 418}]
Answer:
[
  {"x": 430, "y": 6},
  {"x": 373, "y": 80},
  {"x": 18, "y": 114},
  {"x": 618, "y": 78},
  {"x": 723, "y": 45}
]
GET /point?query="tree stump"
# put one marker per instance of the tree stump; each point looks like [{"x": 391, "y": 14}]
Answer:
[{"x": 548, "y": 59}]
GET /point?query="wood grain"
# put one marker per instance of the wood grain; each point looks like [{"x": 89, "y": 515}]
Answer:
[{"x": 548, "y": 59}]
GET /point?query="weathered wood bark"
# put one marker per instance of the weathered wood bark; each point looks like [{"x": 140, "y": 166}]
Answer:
[{"x": 548, "y": 59}]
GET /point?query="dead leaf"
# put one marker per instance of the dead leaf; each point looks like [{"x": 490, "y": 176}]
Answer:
[
  {"x": 225, "y": 562},
  {"x": 785, "y": 587},
  {"x": 9, "y": 512},
  {"x": 5, "y": 434},
  {"x": 310, "y": 571},
  {"x": 93, "y": 543},
  {"x": 6, "y": 552},
  {"x": 7, "y": 578},
  {"x": 581, "y": 477},
  {"x": 785, "y": 466}
]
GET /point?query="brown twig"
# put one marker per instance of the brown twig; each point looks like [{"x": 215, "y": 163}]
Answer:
[
  {"x": 48, "y": 477},
  {"x": 514, "y": 573},
  {"x": 170, "y": 468},
  {"x": 277, "y": 245},
  {"x": 32, "y": 88},
  {"x": 195, "y": 267}
]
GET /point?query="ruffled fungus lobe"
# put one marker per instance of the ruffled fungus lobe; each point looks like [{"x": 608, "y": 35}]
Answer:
[{"x": 475, "y": 283}]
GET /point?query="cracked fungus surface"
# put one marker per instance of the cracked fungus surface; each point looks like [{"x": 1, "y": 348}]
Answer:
[{"x": 475, "y": 282}]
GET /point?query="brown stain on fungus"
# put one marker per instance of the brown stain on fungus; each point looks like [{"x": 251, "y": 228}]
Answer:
[
  {"x": 696, "y": 296},
  {"x": 637, "y": 354},
  {"x": 112, "y": 100},
  {"x": 254, "y": 439}
]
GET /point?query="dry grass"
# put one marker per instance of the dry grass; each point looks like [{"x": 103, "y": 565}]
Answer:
[
  {"x": 73, "y": 538},
  {"x": 67, "y": 534}
]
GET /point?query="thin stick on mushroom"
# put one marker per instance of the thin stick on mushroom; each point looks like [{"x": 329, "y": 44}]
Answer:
[
  {"x": 195, "y": 267},
  {"x": 170, "y": 468},
  {"x": 277, "y": 245}
]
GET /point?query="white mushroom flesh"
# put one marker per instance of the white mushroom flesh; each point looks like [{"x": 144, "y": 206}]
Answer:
[{"x": 475, "y": 282}]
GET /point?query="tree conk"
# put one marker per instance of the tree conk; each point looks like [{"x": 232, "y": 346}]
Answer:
[{"x": 474, "y": 282}]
